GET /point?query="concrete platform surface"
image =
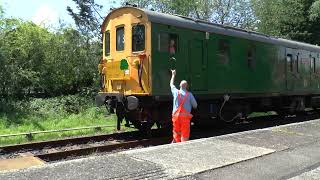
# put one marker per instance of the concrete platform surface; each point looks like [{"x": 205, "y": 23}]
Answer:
[
  {"x": 199, "y": 155},
  {"x": 283, "y": 152}
]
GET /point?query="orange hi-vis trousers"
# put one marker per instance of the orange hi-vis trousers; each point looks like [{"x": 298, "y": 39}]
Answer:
[{"x": 181, "y": 122}]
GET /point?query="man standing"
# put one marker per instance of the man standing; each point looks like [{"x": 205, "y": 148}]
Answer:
[{"x": 183, "y": 101}]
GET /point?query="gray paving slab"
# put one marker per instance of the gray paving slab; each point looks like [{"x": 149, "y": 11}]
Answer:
[
  {"x": 310, "y": 175},
  {"x": 197, "y": 156},
  {"x": 279, "y": 138},
  {"x": 280, "y": 165},
  {"x": 99, "y": 167}
]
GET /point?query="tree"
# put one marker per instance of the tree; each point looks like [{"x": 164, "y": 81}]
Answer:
[
  {"x": 236, "y": 13},
  {"x": 1, "y": 11},
  {"x": 88, "y": 18},
  {"x": 268, "y": 11},
  {"x": 293, "y": 19},
  {"x": 314, "y": 18},
  {"x": 315, "y": 11},
  {"x": 22, "y": 49},
  {"x": 36, "y": 61}
]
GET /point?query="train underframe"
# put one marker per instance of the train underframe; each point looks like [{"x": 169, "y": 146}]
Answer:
[{"x": 146, "y": 111}]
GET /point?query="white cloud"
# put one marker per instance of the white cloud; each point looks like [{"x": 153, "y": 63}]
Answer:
[{"x": 45, "y": 16}]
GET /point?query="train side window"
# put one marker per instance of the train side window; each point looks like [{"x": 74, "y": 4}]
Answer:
[
  {"x": 251, "y": 57},
  {"x": 297, "y": 63},
  {"x": 314, "y": 65},
  {"x": 138, "y": 38},
  {"x": 163, "y": 40},
  {"x": 107, "y": 43},
  {"x": 168, "y": 43},
  {"x": 289, "y": 63},
  {"x": 318, "y": 64},
  {"x": 223, "y": 52},
  {"x": 120, "y": 39}
]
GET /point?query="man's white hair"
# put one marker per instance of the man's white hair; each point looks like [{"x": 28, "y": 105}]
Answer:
[{"x": 183, "y": 82}]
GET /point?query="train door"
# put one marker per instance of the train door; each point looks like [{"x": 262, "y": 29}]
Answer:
[
  {"x": 291, "y": 69},
  {"x": 303, "y": 83},
  {"x": 166, "y": 54},
  {"x": 198, "y": 65}
]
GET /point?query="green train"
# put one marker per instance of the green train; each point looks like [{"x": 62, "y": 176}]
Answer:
[{"x": 232, "y": 72}]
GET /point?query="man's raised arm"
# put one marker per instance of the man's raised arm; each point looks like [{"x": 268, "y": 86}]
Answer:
[{"x": 172, "y": 77}]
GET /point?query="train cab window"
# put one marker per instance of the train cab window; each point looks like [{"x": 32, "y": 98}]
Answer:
[
  {"x": 120, "y": 39},
  {"x": 290, "y": 63},
  {"x": 223, "y": 52},
  {"x": 251, "y": 57},
  {"x": 138, "y": 38},
  {"x": 107, "y": 43},
  {"x": 168, "y": 43}
]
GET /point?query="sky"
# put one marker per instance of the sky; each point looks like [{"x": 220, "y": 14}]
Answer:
[{"x": 45, "y": 12}]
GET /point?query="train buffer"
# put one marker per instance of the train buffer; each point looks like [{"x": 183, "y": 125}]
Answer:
[{"x": 282, "y": 152}]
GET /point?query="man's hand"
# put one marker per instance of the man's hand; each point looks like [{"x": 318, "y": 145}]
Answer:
[
  {"x": 172, "y": 77},
  {"x": 173, "y": 72}
]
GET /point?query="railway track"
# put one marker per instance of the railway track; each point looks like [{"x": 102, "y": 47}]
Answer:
[
  {"x": 81, "y": 146},
  {"x": 59, "y": 155}
]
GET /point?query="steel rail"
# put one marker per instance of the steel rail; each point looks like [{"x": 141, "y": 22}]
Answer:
[
  {"x": 60, "y": 155},
  {"x": 63, "y": 142}
]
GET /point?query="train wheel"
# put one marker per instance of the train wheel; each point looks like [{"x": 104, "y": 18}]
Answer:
[
  {"x": 146, "y": 121},
  {"x": 165, "y": 123},
  {"x": 132, "y": 117},
  {"x": 156, "y": 117},
  {"x": 281, "y": 113}
]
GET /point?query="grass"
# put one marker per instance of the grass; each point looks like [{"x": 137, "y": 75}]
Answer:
[{"x": 52, "y": 114}]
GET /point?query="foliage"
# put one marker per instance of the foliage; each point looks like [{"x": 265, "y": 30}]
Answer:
[
  {"x": 88, "y": 18},
  {"x": 268, "y": 12},
  {"x": 35, "y": 61},
  {"x": 59, "y": 106},
  {"x": 237, "y": 13},
  {"x": 315, "y": 11},
  {"x": 294, "y": 19}
]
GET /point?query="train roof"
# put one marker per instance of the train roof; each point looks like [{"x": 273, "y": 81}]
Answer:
[{"x": 200, "y": 25}]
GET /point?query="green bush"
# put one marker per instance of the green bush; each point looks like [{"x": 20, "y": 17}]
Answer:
[
  {"x": 60, "y": 105},
  {"x": 15, "y": 111}
]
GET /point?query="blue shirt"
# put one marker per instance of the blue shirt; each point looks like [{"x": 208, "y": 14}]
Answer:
[{"x": 188, "y": 104}]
